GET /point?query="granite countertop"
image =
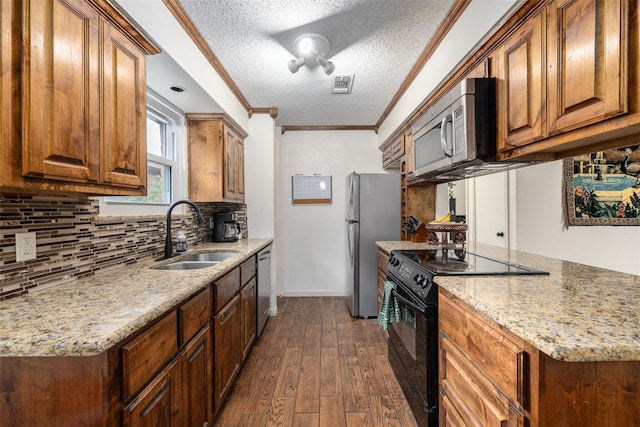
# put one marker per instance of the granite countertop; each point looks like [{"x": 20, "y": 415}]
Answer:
[
  {"x": 577, "y": 313},
  {"x": 88, "y": 316}
]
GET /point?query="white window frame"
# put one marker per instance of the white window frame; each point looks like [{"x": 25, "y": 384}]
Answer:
[{"x": 163, "y": 110}]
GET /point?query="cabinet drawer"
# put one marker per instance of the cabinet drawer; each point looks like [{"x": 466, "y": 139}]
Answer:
[
  {"x": 194, "y": 314},
  {"x": 148, "y": 353},
  {"x": 225, "y": 288},
  {"x": 247, "y": 270},
  {"x": 476, "y": 400},
  {"x": 492, "y": 352},
  {"x": 383, "y": 258}
]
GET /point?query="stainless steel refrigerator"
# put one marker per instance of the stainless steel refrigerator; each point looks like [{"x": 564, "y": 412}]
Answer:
[{"x": 373, "y": 213}]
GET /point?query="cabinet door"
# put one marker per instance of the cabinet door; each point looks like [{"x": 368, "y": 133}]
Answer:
[
  {"x": 587, "y": 62},
  {"x": 124, "y": 147},
  {"x": 249, "y": 321},
  {"x": 521, "y": 89},
  {"x": 240, "y": 169},
  {"x": 227, "y": 347},
  {"x": 230, "y": 164},
  {"x": 159, "y": 404},
  {"x": 60, "y": 91},
  {"x": 206, "y": 159},
  {"x": 196, "y": 380}
]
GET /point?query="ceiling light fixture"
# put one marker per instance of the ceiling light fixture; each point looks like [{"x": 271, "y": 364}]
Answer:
[{"x": 311, "y": 48}]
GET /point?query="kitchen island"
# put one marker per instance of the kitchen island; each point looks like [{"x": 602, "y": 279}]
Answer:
[
  {"x": 126, "y": 343},
  {"x": 572, "y": 339}
]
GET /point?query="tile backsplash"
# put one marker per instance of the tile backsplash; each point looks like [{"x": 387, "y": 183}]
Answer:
[{"x": 74, "y": 241}]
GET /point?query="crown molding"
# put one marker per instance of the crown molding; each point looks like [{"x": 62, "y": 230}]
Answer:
[{"x": 181, "y": 16}]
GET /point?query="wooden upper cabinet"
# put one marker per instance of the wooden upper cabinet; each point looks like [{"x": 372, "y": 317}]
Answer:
[
  {"x": 216, "y": 158},
  {"x": 230, "y": 165},
  {"x": 73, "y": 99},
  {"x": 563, "y": 74},
  {"x": 521, "y": 89},
  {"x": 393, "y": 152},
  {"x": 587, "y": 62},
  {"x": 61, "y": 106},
  {"x": 124, "y": 120}
]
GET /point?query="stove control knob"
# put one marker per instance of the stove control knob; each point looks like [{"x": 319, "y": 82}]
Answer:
[
  {"x": 424, "y": 282},
  {"x": 418, "y": 278},
  {"x": 395, "y": 262}
]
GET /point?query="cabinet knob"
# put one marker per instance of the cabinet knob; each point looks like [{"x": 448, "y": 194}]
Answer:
[{"x": 500, "y": 234}]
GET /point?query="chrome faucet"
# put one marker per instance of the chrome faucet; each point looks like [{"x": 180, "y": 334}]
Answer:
[{"x": 168, "y": 248}]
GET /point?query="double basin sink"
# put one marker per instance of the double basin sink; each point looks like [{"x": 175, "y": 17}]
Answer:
[{"x": 195, "y": 261}]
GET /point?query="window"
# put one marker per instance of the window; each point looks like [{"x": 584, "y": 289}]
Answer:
[{"x": 165, "y": 162}]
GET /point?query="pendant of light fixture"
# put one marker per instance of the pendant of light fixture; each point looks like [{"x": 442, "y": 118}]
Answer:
[{"x": 311, "y": 48}]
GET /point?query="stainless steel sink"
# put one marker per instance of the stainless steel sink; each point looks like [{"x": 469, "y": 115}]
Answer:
[
  {"x": 188, "y": 265},
  {"x": 209, "y": 256},
  {"x": 195, "y": 261}
]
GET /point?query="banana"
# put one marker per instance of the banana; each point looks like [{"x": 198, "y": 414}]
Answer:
[{"x": 443, "y": 218}]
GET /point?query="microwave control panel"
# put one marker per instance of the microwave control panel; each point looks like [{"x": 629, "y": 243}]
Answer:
[{"x": 458, "y": 129}]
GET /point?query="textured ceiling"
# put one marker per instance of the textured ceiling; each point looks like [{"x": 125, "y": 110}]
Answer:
[{"x": 378, "y": 41}]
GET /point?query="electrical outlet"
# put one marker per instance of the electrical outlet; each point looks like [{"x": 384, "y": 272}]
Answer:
[{"x": 25, "y": 246}]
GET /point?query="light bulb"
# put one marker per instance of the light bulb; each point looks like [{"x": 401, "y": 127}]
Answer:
[{"x": 305, "y": 47}]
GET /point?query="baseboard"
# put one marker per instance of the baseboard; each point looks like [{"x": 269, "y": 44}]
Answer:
[{"x": 319, "y": 293}]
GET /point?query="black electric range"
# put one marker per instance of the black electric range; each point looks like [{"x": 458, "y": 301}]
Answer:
[{"x": 413, "y": 340}]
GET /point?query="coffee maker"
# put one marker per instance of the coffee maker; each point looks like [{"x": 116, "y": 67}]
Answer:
[{"x": 225, "y": 227}]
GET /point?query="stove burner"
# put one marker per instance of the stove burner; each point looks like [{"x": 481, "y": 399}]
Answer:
[{"x": 429, "y": 262}]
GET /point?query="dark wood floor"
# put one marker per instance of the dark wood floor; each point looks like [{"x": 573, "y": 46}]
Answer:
[{"x": 315, "y": 365}]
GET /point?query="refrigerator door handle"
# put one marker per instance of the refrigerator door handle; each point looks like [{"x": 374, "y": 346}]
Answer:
[{"x": 349, "y": 233}]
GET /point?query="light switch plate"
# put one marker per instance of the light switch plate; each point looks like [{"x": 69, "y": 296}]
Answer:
[{"x": 25, "y": 246}]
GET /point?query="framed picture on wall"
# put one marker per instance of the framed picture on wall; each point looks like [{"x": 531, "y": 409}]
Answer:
[{"x": 603, "y": 188}]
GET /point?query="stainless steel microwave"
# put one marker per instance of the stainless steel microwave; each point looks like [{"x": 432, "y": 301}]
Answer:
[{"x": 456, "y": 137}]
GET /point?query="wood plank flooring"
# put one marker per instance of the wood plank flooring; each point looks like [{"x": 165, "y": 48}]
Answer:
[{"x": 315, "y": 365}]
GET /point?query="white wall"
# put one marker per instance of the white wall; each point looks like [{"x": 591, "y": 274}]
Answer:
[
  {"x": 311, "y": 240},
  {"x": 259, "y": 172},
  {"x": 259, "y": 167},
  {"x": 539, "y": 225}
]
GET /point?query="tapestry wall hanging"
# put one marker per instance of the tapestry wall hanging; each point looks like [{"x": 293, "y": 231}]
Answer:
[{"x": 603, "y": 188}]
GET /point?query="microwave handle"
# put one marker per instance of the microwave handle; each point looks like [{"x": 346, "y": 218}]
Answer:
[{"x": 448, "y": 151}]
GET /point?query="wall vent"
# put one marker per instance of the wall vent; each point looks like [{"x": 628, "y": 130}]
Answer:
[{"x": 342, "y": 84}]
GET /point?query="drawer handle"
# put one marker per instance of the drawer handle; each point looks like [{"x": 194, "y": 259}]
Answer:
[
  {"x": 523, "y": 379},
  {"x": 151, "y": 406},
  {"x": 195, "y": 353}
]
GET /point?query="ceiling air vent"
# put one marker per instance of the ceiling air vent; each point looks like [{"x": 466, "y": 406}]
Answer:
[{"x": 342, "y": 84}]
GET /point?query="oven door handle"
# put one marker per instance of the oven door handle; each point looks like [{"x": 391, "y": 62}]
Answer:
[{"x": 422, "y": 310}]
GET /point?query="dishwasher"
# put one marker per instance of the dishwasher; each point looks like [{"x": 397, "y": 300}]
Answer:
[{"x": 264, "y": 287}]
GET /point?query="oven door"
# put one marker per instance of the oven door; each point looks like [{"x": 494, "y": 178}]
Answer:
[{"x": 413, "y": 355}]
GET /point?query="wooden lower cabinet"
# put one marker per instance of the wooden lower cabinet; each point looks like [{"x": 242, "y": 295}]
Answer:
[
  {"x": 490, "y": 377},
  {"x": 477, "y": 401},
  {"x": 227, "y": 332},
  {"x": 180, "y": 394},
  {"x": 197, "y": 388},
  {"x": 249, "y": 316},
  {"x": 174, "y": 372},
  {"x": 159, "y": 404}
]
